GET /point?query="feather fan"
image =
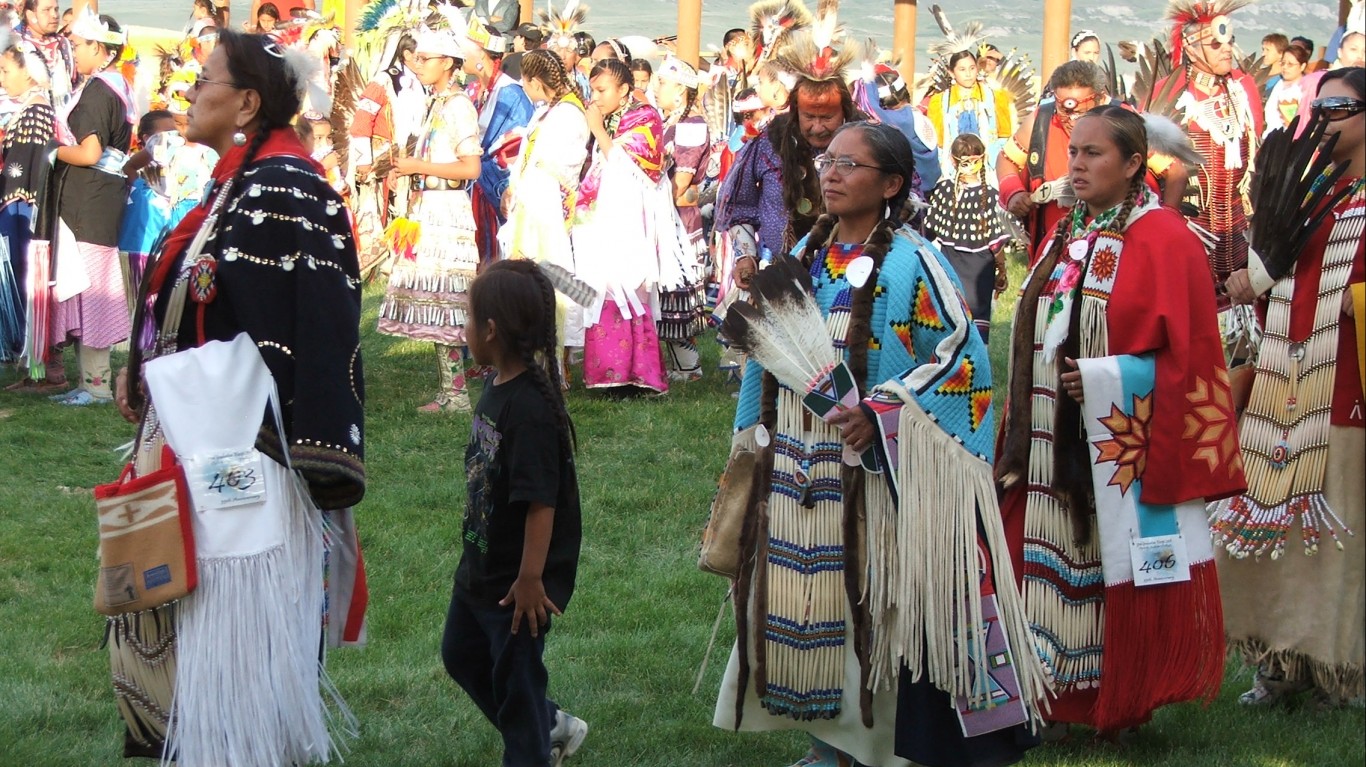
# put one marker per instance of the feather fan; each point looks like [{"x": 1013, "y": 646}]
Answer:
[
  {"x": 572, "y": 287},
  {"x": 1154, "y": 66},
  {"x": 783, "y": 328},
  {"x": 1113, "y": 81},
  {"x": 1260, "y": 72},
  {"x": 1016, "y": 75},
  {"x": 1292, "y": 192},
  {"x": 716, "y": 108},
  {"x": 347, "y": 85}
]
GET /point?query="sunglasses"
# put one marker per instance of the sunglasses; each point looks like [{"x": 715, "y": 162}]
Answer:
[{"x": 1338, "y": 107}]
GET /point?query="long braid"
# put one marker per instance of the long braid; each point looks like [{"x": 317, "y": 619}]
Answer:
[
  {"x": 538, "y": 351},
  {"x": 861, "y": 306}
]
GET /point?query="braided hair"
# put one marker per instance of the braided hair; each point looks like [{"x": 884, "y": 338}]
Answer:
[
  {"x": 256, "y": 62},
  {"x": 892, "y": 153},
  {"x": 800, "y": 181},
  {"x": 548, "y": 69},
  {"x": 1071, "y": 463},
  {"x": 520, "y": 301}
]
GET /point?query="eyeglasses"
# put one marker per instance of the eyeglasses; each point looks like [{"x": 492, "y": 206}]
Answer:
[
  {"x": 206, "y": 81},
  {"x": 1338, "y": 107},
  {"x": 423, "y": 59},
  {"x": 843, "y": 166}
]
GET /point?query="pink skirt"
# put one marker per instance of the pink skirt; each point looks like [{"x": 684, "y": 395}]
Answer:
[
  {"x": 97, "y": 316},
  {"x": 623, "y": 352}
]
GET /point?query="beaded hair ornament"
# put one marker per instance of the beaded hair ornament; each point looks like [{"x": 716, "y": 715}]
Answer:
[{"x": 89, "y": 26}]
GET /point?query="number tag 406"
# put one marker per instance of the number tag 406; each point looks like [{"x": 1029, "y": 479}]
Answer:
[{"x": 1159, "y": 559}]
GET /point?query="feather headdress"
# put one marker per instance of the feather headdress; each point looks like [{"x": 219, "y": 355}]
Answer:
[
  {"x": 1016, "y": 76},
  {"x": 772, "y": 20},
  {"x": 1187, "y": 16},
  {"x": 823, "y": 52},
  {"x": 562, "y": 25},
  {"x": 969, "y": 39}
]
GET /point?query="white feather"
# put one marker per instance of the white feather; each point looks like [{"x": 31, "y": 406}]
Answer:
[{"x": 1166, "y": 137}]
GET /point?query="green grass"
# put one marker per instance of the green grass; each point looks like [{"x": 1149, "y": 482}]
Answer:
[{"x": 624, "y": 656}]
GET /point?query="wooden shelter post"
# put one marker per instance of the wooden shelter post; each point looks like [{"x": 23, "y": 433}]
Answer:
[
  {"x": 1057, "y": 29},
  {"x": 903, "y": 37}
]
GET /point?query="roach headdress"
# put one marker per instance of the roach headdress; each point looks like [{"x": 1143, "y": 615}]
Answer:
[
  {"x": 824, "y": 52},
  {"x": 771, "y": 21},
  {"x": 562, "y": 25},
  {"x": 1189, "y": 16}
]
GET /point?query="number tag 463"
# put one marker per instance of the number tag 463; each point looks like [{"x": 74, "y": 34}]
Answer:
[
  {"x": 1159, "y": 559},
  {"x": 226, "y": 479}
]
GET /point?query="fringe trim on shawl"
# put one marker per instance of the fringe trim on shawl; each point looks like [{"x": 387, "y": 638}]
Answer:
[
  {"x": 1343, "y": 681},
  {"x": 250, "y": 690},
  {"x": 926, "y": 582},
  {"x": 1142, "y": 668}
]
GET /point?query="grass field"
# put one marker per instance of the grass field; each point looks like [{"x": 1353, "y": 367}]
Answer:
[{"x": 624, "y": 656}]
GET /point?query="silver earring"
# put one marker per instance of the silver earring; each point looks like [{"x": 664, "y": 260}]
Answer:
[
  {"x": 239, "y": 138},
  {"x": 887, "y": 210}
]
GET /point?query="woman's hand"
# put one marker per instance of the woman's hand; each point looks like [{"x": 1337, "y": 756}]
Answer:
[
  {"x": 597, "y": 121},
  {"x": 407, "y": 166},
  {"x": 1071, "y": 380},
  {"x": 856, "y": 429},
  {"x": 121, "y": 396}
]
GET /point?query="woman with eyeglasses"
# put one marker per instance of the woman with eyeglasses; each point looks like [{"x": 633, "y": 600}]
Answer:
[
  {"x": 1298, "y": 617},
  {"x": 231, "y": 673},
  {"x": 845, "y": 623},
  {"x": 1118, "y": 429},
  {"x": 92, "y": 313},
  {"x": 427, "y": 295},
  {"x": 1283, "y": 101}
]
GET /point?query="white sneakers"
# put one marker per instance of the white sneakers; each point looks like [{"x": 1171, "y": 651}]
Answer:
[{"x": 566, "y": 737}]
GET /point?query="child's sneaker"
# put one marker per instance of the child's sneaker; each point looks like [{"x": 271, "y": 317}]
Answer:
[{"x": 566, "y": 737}]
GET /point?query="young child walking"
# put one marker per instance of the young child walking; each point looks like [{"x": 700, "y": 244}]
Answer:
[{"x": 522, "y": 529}]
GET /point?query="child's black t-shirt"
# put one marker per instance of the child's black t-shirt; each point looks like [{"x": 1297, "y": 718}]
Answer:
[{"x": 516, "y": 457}]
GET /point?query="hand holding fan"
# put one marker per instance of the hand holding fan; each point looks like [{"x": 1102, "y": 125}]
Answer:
[{"x": 784, "y": 331}]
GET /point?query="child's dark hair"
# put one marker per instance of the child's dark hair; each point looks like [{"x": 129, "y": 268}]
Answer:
[
  {"x": 520, "y": 300},
  {"x": 641, "y": 65},
  {"x": 967, "y": 145},
  {"x": 616, "y": 69},
  {"x": 148, "y": 122}
]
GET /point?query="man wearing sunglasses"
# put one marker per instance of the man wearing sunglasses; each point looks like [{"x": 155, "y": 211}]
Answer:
[{"x": 1221, "y": 110}]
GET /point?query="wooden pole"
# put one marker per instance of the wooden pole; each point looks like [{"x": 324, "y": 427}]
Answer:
[
  {"x": 528, "y": 11},
  {"x": 903, "y": 38},
  {"x": 1057, "y": 28},
  {"x": 689, "y": 46},
  {"x": 351, "y": 14},
  {"x": 1344, "y": 7}
]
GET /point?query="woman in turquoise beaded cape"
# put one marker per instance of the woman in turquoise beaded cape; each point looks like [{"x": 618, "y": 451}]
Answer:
[{"x": 853, "y": 581}]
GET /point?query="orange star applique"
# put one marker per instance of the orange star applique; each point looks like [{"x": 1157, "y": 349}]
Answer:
[
  {"x": 1209, "y": 424},
  {"x": 1127, "y": 446},
  {"x": 1103, "y": 264}
]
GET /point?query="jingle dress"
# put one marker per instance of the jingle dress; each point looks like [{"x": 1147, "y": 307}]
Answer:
[
  {"x": 25, "y": 191},
  {"x": 230, "y": 668},
  {"x": 1142, "y": 297},
  {"x": 427, "y": 297},
  {"x": 682, "y": 293},
  {"x": 617, "y": 250},
  {"x": 545, "y": 187},
  {"x": 823, "y": 617},
  {"x": 1299, "y": 614}
]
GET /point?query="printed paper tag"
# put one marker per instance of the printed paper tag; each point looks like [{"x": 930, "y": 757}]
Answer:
[
  {"x": 1159, "y": 559},
  {"x": 223, "y": 480}
]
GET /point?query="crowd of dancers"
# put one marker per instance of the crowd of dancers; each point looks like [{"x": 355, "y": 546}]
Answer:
[{"x": 1183, "y": 363}]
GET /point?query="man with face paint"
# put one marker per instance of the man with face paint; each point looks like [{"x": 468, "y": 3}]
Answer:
[
  {"x": 1221, "y": 110},
  {"x": 772, "y": 196}
]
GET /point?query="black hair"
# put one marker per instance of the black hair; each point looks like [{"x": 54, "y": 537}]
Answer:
[
  {"x": 1302, "y": 39},
  {"x": 614, "y": 67},
  {"x": 216, "y": 13},
  {"x": 256, "y": 62},
  {"x": 547, "y": 68},
  {"x": 618, "y": 49},
  {"x": 641, "y": 65},
  {"x": 268, "y": 9},
  {"x": 897, "y": 93},
  {"x": 114, "y": 50},
  {"x": 731, "y": 35},
  {"x": 1352, "y": 77},
  {"x": 799, "y": 178},
  {"x": 584, "y": 44},
  {"x": 959, "y": 56},
  {"x": 1079, "y": 74},
  {"x": 520, "y": 301},
  {"x": 148, "y": 122}
]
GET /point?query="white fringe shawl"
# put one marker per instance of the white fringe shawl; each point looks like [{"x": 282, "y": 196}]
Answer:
[
  {"x": 250, "y": 689},
  {"x": 925, "y": 580}
]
